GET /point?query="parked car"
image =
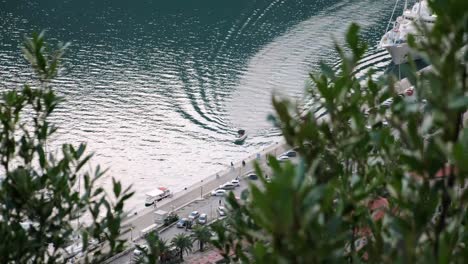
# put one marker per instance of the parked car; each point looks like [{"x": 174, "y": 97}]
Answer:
[
  {"x": 203, "y": 219},
  {"x": 227, "y": 186},
  {"x": 235, "y": 182},
  {"x": 214, "y": 236},
  {"x": 170, "y": 256},
  {"x": 387, "y": 103},
  {"x": 221, "y": 211},
  {"x": 184, "y": 222},
  {"x": 252, "y": 176},
  {"x": 138, "y": 253},
  {"x": 194, "y": 215},
  {"x": 291, "y": 153},
  {"x": 283, "y": 158},
  {"x": 218, "y": 192}
]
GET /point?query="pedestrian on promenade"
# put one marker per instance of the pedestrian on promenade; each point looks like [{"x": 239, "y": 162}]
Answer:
[
  {"x": 232, "y": 164},
  {"x": 220, "y": 202},
  {"x": 243, "y": 163}
]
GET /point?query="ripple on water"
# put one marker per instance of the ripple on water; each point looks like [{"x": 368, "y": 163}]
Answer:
[{"x": 159, "y": 97}]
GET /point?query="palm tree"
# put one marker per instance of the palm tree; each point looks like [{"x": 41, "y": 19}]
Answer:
[
  {"x": 156, "y": 249},
  {"x": 183, "y": 243},
  {"x": 163, "y": 249},
  {"x": 202, "y": 235}
]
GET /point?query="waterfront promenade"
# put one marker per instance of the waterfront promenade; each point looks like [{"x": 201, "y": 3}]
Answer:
[{"x": 144, "y": 218}]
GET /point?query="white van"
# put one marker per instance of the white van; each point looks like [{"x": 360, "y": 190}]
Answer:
[
  {"x": 157, "y": 195},
  {"x": 160, "y": 216}
]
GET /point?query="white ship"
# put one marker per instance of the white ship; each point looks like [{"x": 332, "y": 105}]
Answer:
[{"x": 395, "y": 40}]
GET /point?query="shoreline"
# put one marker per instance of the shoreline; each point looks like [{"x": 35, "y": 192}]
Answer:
[{"x": 138, "y": 220}]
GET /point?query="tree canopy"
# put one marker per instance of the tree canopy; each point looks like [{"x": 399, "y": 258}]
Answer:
[
  {"x": 44, "y": 192},
  {"x": 376, "y": 183}
]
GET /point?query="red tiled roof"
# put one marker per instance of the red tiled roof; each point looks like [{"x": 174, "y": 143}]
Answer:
[
  {"x": 446, "y": 171},
  {"x": 378, "y": 207}
]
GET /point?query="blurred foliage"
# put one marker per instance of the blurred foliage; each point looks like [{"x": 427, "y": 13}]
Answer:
[
  {"x": 375, "y": 183},
  {"x": 45, "y": 192},
  {"x": 156, "y": 251}
]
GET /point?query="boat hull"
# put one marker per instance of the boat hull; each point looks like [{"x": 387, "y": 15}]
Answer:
[
  {"x": 240, "y": 140},
  {"x": 400, "y": 53}
]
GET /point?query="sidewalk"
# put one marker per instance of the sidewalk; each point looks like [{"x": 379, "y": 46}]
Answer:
[{"x": 145, "y": 217}]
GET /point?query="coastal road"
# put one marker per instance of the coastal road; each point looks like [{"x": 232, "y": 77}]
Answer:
[
  {"x": 145, "y": 218},
  {"x": 192, "y": 199},
  {"x": 185, "y": 201},
  {"x": 207, "y": 205}
]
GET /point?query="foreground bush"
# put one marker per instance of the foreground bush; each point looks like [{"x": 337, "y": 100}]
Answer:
[
  {"x": 375, "y": 184},
  {"x": 44, "y": 192}
]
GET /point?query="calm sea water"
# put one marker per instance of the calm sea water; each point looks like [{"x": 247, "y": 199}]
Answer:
[{"x": 158, "y": 88}]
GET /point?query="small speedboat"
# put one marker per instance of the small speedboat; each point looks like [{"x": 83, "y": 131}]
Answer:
[{"x": 241, "y": 136}]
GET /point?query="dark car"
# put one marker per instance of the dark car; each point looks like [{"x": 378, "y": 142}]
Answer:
[
  {"x": 184, "y": 222},
  {"x": 291, "y": 153},
  {"x": 252, "y": 176}
]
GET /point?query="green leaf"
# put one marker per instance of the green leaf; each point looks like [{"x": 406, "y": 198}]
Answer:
[
  {"x": 459, "y": 103},
  {"x": 117, "y": 187}
]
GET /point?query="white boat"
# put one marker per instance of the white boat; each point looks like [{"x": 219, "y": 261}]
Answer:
[
  {"x": 157, "y": 195},
  {"x": 241, "y": 136},
  {"x": 395, "y": 40}
]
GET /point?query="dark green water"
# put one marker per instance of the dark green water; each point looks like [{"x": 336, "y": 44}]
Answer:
[{"x": 158, "y": 88}]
